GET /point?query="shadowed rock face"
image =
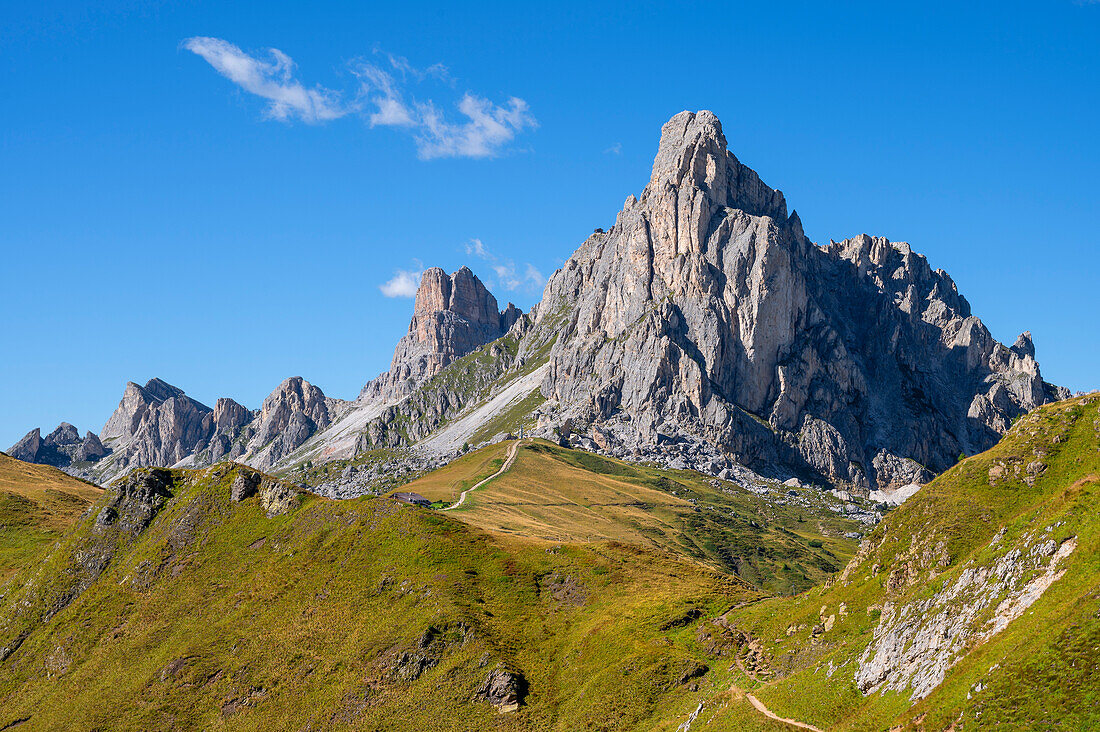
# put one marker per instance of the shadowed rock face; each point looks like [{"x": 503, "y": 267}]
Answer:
[
  {"x": 453, "y": 315},
  {"x": 290, "y": 415},
  {"x": 156, "y": 424},
  {"x": 61, "y": 448},
  {"x": 27, "y": 448},
  {"x": 705, "y": 309}
]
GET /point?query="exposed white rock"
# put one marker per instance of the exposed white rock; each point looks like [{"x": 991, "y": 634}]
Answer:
[
  {"x": 895, "y": 496},
  {"x": 916, "y": 643}
]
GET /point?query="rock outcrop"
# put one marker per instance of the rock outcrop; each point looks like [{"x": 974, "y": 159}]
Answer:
[
  {"x": 159, "y": 425},
  {"x": 504, "y": 689},
  {"x": 706, "y": 310},
  {"x": 453, "y": 315},
  {"x": 230, "y": 434},
  {"x": 27, "y": 448}
]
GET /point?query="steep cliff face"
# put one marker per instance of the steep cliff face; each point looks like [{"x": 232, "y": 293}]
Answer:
[
  {"x": 453, "y": 315},
  {"x": 706, "y": 310},
  {"x": 289, "y": 416},
  {"x": 156, "y": 424}
]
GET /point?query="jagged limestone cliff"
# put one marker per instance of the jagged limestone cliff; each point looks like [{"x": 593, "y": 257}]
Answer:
[{"x": 706, "y": 310}]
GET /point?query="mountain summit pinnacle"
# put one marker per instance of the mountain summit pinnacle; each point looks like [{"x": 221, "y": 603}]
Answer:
[
  {"x": 453, "y": 314},
  {"x": 693, "y": 156}
]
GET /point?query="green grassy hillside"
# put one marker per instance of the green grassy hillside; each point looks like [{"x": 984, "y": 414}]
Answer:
[
  {"x": 37, "y": 504},
  {"x": 931, "y": 588},
  {"x": 572, "y": 592},
  {"x": 358, "y": 614}
]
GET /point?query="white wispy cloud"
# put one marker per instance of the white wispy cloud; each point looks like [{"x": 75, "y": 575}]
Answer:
[
  {"x": 616, "y": 149},
  {"x": 272, "y": 80},
  {"x": 403, "y": 283},
  {"x": 508, "y": 275},
  {"x": 482, "y": 128},
  {"x": 487, "y": 127},
  {"x": 476, "y": 248}
]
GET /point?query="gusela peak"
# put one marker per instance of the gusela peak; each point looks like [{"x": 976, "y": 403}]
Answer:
[{"x": 695, "y": 171}]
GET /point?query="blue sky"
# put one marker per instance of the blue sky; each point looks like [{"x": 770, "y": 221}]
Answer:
[{"x": 180, "y": 201}]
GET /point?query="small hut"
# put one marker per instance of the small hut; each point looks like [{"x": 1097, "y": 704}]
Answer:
[{"x": 413, "y": 499}]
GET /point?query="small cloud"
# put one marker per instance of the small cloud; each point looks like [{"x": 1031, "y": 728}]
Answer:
[
  {"x": 404, "y": 283},
  {"x": 476, "y": 248},
  {"x": 488, "y": 128},
  {"x": 616, "y": 149},
  {"x": 534, "y": 277},
  {"x": 272, "y": 80},
  {"x": 508, "y": 275}
]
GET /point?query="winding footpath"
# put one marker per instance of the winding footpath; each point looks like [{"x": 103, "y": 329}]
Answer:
[
  {"x": 759, "y": 705},
  {"x": 503, "y": 469}
]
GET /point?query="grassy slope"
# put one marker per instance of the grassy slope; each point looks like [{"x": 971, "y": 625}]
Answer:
[
  {"x": 1037, "y": 673},
  {"x": 218, "y": 617},
  {"x": 37, "y": 503},
  {"x": 555, "y": 494},
  {"x": 446, "y": 484}
]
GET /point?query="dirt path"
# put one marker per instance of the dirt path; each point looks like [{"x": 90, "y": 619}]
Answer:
[
  {"x": 759, "y": 705},
  {"x": 503, "y": 468}
]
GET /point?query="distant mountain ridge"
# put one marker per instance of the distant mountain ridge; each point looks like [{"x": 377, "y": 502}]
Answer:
[{"x": 703, "y": 325}]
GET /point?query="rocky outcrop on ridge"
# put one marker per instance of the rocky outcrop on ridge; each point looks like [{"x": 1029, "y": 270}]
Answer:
[
  {"x": 159, "y": 425},
  {"x": 705, "y": 310},
  {"x": 453, "y": 315}
]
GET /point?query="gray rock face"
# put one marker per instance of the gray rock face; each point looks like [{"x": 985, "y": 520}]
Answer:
[
  {"x": 90, "y": 450},
  {"x": 289, "y": 416},
  {"x": 27, "y": 448},
  {"x": 453, "y": 315},
  {"x": 156, "y": 425},
  {"x": 135, "y": 501},
  {"x": 231, "y": 432},
  {"x": 159, "y": 425},
  {"x": 503, "y": 689},
  {"x": 706, "y": 310},
  {"x": 61, "y": 448}
]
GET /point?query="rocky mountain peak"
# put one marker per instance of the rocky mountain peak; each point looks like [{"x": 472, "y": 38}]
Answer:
[
  {"x": 27, "y": 448},
  {"x": 61, "y": 448},
  {"x": 693, "y": 158},
  {"x": 461, "y": 293},
  {"x": 289, "y": 416},
  {"x": 63, "y": 435},
  {"x": 161, "y": 390},
  {"x": 706, "y": 311},
  {"x": 453, "y": 314}
]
